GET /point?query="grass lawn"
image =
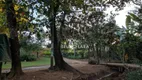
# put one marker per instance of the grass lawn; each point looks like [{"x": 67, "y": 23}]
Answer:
[{"x": 39, "y": 62}]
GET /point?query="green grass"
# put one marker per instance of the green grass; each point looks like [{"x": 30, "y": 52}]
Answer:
[{"x": 39, "y": 62}]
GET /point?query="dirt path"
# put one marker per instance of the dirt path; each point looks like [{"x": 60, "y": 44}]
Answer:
[
  {"x": 42, "y": 73},
  {"x": 84, "y": 67}
]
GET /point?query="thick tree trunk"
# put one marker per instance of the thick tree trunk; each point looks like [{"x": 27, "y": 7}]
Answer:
[
  {"x": 56, "y": 47},
  {"x": 60, "y": 64},
  {"x": 15, "y": 55},
  {"x": 16, "y": 69}
]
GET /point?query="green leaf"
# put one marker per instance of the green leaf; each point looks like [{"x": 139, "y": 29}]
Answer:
[
  {"x": 134, "y": 17},
  {"x": 80, "y": 2},
  {"x": 38, "y": 35},
  {"x": 128, "y": 20}
]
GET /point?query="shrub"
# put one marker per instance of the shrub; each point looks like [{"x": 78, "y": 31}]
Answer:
[
  {"x": 26, "y": 56},
  {"x": 134, "y": 75},
  {"x": 47, "y": 52},
  {"x": 74, "y": 57},
  {"x": 69, "y": 53}
]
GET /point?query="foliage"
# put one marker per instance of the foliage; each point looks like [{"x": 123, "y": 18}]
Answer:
[
  {"x": 30, "y": 44},
  {"x": 134, "y": 75},
  {"x": 21, "y": 13},
  {"x": 54, "y": 13},
  {"x": 3, "y": 27},
  {"x": 74, "y": 57},
  {"x": 47, "y": 52},
  {"x": 26, "y": 55},
  {"x": 54, "y": 10},
  {"x": 129, "y": 44},
  {"x": 27, "y": 48},
  {"x": 77, "y": 54},
  {"x": 135, "y": 18},
  {"x": 67, "y": 52}
]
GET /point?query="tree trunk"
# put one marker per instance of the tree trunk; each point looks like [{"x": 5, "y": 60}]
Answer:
[
  {"x": 16, "y": 69},
  {"x": 82, "y": 55},
  {"x": 56, "y": 47},
  {"x": 60, "y": 64},
  {"x": 97, "y": 53},
  {"x": 0, "y": 70}
]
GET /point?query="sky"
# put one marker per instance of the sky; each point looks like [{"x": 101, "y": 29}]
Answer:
[{"x": 120, "y": 19}]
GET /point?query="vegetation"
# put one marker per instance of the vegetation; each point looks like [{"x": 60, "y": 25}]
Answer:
[
  {"x": 47, "y": 52},
  {"x": 72, "y": 23},
  {"x": 43, "y": 61},
  {"x": 134, "y": 75}
]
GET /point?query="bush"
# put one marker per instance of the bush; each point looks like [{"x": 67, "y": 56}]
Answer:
[
  {"x": 74, "y": 57},
  {"x": 26, "y": 56},
  {"x": 134, "y": 75},
  {"x": 69, "y": 53},
  {"x": 47, "y": 52}
]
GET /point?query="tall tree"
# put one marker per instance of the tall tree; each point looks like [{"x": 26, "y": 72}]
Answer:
[
  {"x": 59, "y": 62},
  {"x": 16, "y": 69},
  {"x": 52, "y": 8}
]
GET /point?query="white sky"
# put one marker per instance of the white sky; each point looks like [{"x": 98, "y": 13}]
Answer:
[{"x": 120, "y": 19}]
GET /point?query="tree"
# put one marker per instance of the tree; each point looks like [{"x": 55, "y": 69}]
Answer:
[
  {"x": 133, "y": 33},
  {"x": 3, "y": 27},
  {"x": 16, "y": 69},
  {"x": 59, "y": 62},
  {"x": 52, "y": 8}
]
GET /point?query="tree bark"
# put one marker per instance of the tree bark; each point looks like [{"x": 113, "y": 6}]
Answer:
[
  {"x": 0, "y": 70},
  {"x": 16, "y": 69},
  {"x": 60, "y": 64},
  {"x": 97, "y": 53}
]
